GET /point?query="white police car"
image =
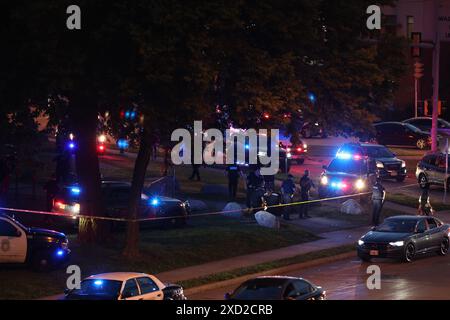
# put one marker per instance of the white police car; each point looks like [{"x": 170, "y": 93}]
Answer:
[
  {"x": 40, "y": 248},
  {"x": 124, "y": 286}
]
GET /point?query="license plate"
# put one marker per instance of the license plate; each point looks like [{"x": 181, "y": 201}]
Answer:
[
  {"x": 373, "y": 252},
  {"x": 394, "y": 173}
]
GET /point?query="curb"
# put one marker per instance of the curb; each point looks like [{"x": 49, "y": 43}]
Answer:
[{"x": 288, "y": 268}]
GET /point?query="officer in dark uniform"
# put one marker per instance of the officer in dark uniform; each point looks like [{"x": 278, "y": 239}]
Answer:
[
  {"x": 233, "y": 171},
  {"x": 305, "y": 185},
  {"x": 287, "y": 190},
  {"x": 254, "y": 182},
  {"x": 378, "y": 196}
]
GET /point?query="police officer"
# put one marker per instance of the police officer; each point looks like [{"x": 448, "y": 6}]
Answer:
[
  {"x": 305, "y": 185},
  {"x": 378, "y": 196},
  {"x": 425, "y": 208},
  {"x": 233, "y": 171},
  {"x": 287, "y": 191},
  {"x": 254, "y": 182}
]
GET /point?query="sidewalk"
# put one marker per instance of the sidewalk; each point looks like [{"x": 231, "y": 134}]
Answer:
[{"x": 329, "y": 240}]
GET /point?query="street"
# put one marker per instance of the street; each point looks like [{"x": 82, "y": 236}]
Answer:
[{"x": 427, "y": 278}]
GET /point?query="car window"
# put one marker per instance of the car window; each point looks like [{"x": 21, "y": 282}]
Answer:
[
  {"x": 7, "y": 229},
  {"x": 147, "y": 285},
  {"x": 421, "y": 226},
  {"x": 290, "y": 291},
  {"x": 302, "y": 287},
  {"x": 130, "y": 289},
  {"x": 431, "y": 223},
  {"x": 430, "y": 159}
]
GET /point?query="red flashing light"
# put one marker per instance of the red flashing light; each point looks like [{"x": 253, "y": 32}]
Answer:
[{"x": 299, "y": 149}]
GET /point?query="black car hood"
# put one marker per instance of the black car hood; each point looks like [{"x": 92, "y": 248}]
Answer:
[
  {"x": 384, "y": 237},
  {"x": 46, "y": 233},
  {"x": 389, "y": 160}
]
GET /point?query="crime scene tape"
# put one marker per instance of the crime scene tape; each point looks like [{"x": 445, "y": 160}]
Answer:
[{"x": 193, "y": 215}]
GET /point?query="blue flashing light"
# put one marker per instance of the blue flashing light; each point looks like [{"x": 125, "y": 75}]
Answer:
[
  {"x": 71, "y": 145},
  {"x": 311, "y": 97},
  {"x": 75, "y": 190},
  {"x": 154, "y": 201},
  {"x": 133, "y": 115},
  {"x": 127, "y": 114},
  {"x": 343, "y": 156},
  {"x": 122, "y": 143},
  {"x": 247, "y": 146},
  {"x": 60, "y": 253},
  {"x": 98, "y": 282}
]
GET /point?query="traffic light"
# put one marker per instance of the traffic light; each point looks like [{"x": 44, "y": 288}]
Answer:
[{"x": 418, "y": 70}]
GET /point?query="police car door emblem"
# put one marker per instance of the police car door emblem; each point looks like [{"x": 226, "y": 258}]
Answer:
[{"x": 5, "y": 246}]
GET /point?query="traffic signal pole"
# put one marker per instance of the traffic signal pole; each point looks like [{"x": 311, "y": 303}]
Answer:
[{"x": 436, "y": 53}]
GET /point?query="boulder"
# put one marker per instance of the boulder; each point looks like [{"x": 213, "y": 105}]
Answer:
[
  {"x": 266, "y": 219},
  {"x": 351, "y": 207},
  {"x": 235, "y": 208}
]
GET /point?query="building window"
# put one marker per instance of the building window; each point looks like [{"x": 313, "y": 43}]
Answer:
[{"x": 409, "y": 26}]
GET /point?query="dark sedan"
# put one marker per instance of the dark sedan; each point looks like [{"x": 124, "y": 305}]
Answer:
[
  {"x": 401, "y": 134},
  {"x": 404, "y": 238},
  {"x": 277, "y": 288}
]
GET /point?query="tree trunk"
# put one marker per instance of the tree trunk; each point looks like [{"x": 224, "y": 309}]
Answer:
[
  {"x": 84, "y": 116},
  {"x": 131, "y": 250}
]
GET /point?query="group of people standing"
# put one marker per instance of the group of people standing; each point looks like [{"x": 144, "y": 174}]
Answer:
[{"x": 260, "y": 186}]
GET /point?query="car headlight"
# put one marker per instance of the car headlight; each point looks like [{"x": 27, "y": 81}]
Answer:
[
  {"x": 289, "y": 155},
  {"x": 360, "y": 242},
  {"x": 397, "y": 243},
  {"x": 305, "y": 146},
  {"x": 324, "y": 180},
  {"x": 76, "y": 208},
  {"x": 288, "y": 149},
  {"x": 403, "y": 164},
  {"x": 380, "y": 165},
  {"x": 360, "y": 184}
]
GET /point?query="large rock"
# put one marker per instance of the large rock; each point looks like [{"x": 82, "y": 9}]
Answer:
[
  {"x": 233, "y": 210},
  {"x": 351, "y": 207},
  {"x": 266, "y": 219},
  {"x": 214, "y": 189}
]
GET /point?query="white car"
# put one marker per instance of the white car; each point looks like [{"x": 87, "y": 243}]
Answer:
[{"x": 124, "y": 286}]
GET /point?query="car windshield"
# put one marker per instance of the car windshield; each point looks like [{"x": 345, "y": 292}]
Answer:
[
  {"x": 379, "y": 152},
  {"x": 261, "y": 289},
  {"x": 348, "y": 166},
  {"x": 98, "y": 287},
  {"x": 397, "y": 226},
  {"x": 412, "y": 128}
]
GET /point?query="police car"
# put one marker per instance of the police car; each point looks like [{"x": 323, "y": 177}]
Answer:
[
  {"x": 347, "y": 173},
  {"x": 40, "y": 248},
  {"x": 125, "y": 286}
]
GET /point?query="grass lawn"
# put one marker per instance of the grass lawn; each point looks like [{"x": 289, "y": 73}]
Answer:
[
  {"x": 413, "y": 202},
  {"x": 205, "y": 239}
]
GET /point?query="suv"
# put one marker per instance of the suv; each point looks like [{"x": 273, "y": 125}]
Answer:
[
  {"x": 431, "y": 170},
  {"x": 347, "y": 173},
  {"x": 388, "y": 166}
]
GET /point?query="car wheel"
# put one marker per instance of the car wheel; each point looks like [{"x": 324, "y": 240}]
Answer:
[
  {"x": 400, "y": 179},
  {"x": 444, "y": 247},
  {"x": 421, "y": 144},
  {"x": 423, "y": 181},
  {"x": 364, "y": 257},
  {"x": 410, "y": 252}
]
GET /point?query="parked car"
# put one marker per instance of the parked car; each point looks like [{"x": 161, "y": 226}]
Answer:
[
  {"x": 124, "y": 286},
  {"x": 401, "y": 134},
  {"x": 298, "y": 151},
  {"x": 116, "y": 196},
  {"x": 404, "y": 238},
  {"x": 388, "y": 166},
  {"x": 41, "y": 249},
  {"x": 347, "y": 173},
  {"x": 430, "y": 170},
  {"x": 424, "y": 123},
  {"x": 313, "y": 129},
  {"x": 277, "y": 288}
]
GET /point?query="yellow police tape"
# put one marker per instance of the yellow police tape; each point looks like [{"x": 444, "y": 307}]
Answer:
[{"x": 194, "y": 215}]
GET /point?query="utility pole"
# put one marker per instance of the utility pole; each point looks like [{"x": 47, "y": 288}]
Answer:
[{"x": 436, "y": 53}]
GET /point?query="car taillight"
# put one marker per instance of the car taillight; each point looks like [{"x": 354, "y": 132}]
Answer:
[
  {"x": 101, "y": 148},
  {"x": 299, "y": 149},
  {"x": 60, "y": 205}
]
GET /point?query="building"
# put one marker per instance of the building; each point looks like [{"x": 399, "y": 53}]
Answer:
[{"x": 417, "y": 19}]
